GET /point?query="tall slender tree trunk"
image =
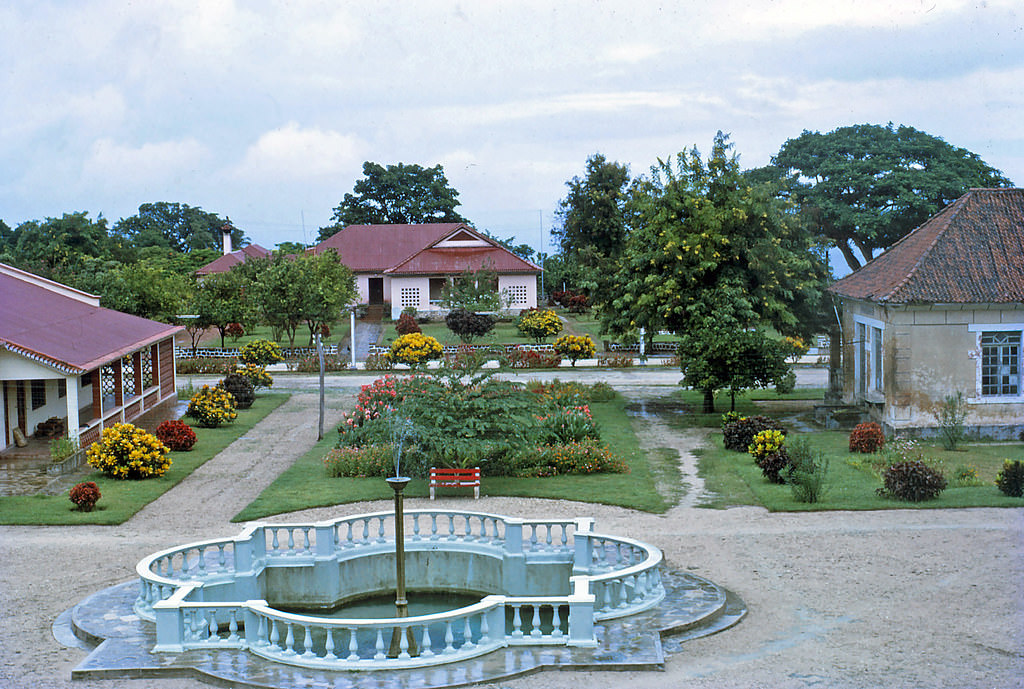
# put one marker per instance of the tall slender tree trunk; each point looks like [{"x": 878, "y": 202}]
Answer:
[{"x": 709, "y": 401}]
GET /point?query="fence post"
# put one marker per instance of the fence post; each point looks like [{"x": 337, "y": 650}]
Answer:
[{"x": 581, "y": 613}]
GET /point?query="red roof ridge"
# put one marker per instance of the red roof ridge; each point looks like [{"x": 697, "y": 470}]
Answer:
[
  {"x": 953, "y": 210},
  {"x": 455, "y": 227}
]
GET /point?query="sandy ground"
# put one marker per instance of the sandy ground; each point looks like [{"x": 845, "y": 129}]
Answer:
[{"x": 901, "y": 598}]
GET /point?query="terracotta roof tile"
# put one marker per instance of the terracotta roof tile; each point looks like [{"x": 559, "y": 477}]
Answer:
[
  {"x": 226, "y": 262},
  {"x": 972, "y": 252},
  {"x": 70, "y": 334}
]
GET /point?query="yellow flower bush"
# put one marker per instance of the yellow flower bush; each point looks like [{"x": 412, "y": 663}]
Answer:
[
  {"x": 211, "y": 407},
  {"x": 415, "y": 348},
  {"x": 575, "y": 347},
  {"x": 261, "y": 353},
  {"x": 127, "y": 452},
  {"x": 766, "y": 443},
  {"x": 257, "y": 375},
  {"x": 539, "y": 324}
]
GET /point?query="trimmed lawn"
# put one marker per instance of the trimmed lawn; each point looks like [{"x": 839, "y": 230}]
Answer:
[
  {"x": 122, "y": 499},
  {"x": 736, "y": 480},
  {"x": 211, "y": 338},
  {"x": 652, "y": 484}
]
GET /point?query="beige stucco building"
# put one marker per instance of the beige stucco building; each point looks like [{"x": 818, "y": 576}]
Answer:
[{"x": 940, "y": 312}]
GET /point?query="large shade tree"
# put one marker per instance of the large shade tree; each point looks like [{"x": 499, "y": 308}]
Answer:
[
  {"x": 592, "y": 230},
  {"x": 397, "y": 194},
  {"x": 176, "y": 226},
  {"x": 710, "y": 253},
  {"x": 865, "y": 186}
]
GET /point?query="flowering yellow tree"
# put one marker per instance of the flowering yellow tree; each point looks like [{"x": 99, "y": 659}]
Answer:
[
  {"x": 539, "y": 324},
  {"x": 415, "y": 348},
  {"x": 126, "y": 452}
]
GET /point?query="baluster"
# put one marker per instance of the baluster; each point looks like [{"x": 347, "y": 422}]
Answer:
[
  {"x": 485, "y": 629},
  {"x": 451, "y": 527},
  {"x": 261, "y": 632},
  {"x": 433, "y": 527},
  {"x": 483, "y": 529},
  {"x": 291, "y": 541},
  {"x": 425, "y": 650},
  {"x": 366, "y": 530},
  {"x": 556, "y": 622},
  {"x": 289, "y": 641},
  {"x": 380, "y": 529},
  {"x": 184, "y": 563},
  {"x": 448, "y": 638},
  {"x": 274, "y": 545},
  {"x": 548, "y": 539},
  {"x": 517, "y": 622},
  {"x": 565, "y": 536},
  {"x": 214, "y": 629},
  {"x": 307, "y": 642},
  {"x": 535, "y": 631},
  {"x": 601, "y": 595},
  {"x": 221, "y": 558},
  {"x": 623, "y": 594},
  {"x": 353, "y": 645},
  {"x": 329, "y": 645},
  {"x": 467, "y": 636},
  {"x": 275, "y": 635},
  {"x": 305, "y": 539},
  {"x": 415, "y": 527},
  {"x": 403, "y": 643},
  {"x": 533, "y": 536},
  {"x": 233, "y": 626},
  {"x": 469, "y": 529},
  {"x": 379, "y": 655},
  {"x": 202, "y": 560}
]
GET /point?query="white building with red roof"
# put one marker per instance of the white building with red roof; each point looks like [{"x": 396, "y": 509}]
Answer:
[
  {"x": 63, "y": 355},
  {"x": 409, "y": 265}
]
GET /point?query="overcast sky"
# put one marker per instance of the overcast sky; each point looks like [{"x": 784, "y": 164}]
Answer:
[{"x": 265, "y": 111}]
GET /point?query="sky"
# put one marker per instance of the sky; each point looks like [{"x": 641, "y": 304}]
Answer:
[{"x": 265, "y": 111}]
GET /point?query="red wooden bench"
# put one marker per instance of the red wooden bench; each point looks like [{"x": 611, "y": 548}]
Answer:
[{"x": 455, "y": 478}]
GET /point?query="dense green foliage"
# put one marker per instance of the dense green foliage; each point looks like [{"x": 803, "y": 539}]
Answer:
[
  {"x": 912, "y": 481},
  {"x": 398, "y": 194},
  {"x": 176, "y": 226},
  {"x": 1011, "y": 478},
  {"x": 473, "y": 291},
  {"x": 469, "y": 325},
  {"x": 865, "y": 186}
]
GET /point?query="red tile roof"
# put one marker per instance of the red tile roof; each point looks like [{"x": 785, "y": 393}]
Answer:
[
  {"x": 41, "y": 321},
  {"x": 410, "y": 250},
  {"x": 971, "y": 252},
  {"x": 223, "y": 264}
]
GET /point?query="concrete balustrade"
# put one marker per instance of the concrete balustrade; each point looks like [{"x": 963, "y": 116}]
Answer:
[{"x": 540, "y": 581}]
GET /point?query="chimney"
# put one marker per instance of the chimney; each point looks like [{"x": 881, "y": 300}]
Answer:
[{"x": 226, "y": 230}]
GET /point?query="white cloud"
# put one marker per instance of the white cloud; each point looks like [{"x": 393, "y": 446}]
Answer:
[
  {"x": 111, "y": 163},
  {"x": 294, "y": 152}
]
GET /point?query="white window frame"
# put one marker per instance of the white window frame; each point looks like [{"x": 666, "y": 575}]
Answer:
[
  {"x": 869, "y": 358},
  {"x": 979, "y": 330}
]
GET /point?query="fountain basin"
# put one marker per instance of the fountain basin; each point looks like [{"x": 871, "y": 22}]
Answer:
[{"x": 542, "y": 582}]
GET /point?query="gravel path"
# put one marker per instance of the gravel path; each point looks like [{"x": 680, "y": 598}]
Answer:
[{"x": 902, "y": 598}]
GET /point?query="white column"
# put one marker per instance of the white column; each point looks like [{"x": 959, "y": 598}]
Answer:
[
  {"x": 352, "y": 335},
  {"x": 74, "y": 422}
]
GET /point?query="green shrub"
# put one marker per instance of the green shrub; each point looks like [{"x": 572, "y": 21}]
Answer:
[
  {"x": 616, "y": 361},
  {"x": 601, "y": 392},
  {"x": 415, "y": 348},
  {"x": 62, "y": 448},
  {"x": 206, "y": 365},
  {"x": 586, "y": 457},
  {"x": 950, "y": 415},
  {"x": 469, "y": 325},
  {"x": 807, "y": 473},
  {"x": 241, "y": 389},
  {"x": 866, "y": 438},
  {"x": 912, "y": 481},
  {"x": 533, "y": 359},
  {"x": 378, "y": 362},
  {"x": 966, "y": 475},
  {"x": 1011, "y": 478},
  {"x": 568, "y": 424},
  {"x": 257, "y": 375},
  {"x": 769, "y": 453},
  {"x": 575, "y": 347},
  {"x": 362, "y": 462},
  {"x": 125, "y": 451},
  {"x": 737, "y": 435}
]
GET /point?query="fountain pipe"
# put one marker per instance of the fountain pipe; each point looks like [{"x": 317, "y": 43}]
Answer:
[{"x": 398, "y": 484}]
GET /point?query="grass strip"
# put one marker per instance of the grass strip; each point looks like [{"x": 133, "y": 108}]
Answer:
[
  {"x": 734, "y": 479},
  {"x": 122, "y": 499},
  {"x": 305, "y": 484}
]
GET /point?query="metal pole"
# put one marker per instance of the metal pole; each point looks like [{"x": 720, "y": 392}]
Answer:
[
  {"x": 352, "y": 335},
  {"x": 398, "y": 484},
  {"x": 320, "y": 354}
]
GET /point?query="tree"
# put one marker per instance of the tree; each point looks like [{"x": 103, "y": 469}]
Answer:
[
  {"x": 58, "y": 244},
  {"x": 221, "y": 299},
  {"x": 708, "y": 251},
  {"x": 292, "y": 290},
  {"x": 290, "y": 247},
  {"x": 473, "y": 291},
  {"x": 593, "y": 226},
  {"x": 398, "y": 194},
  {"x": 145, "y": 291},
  {"x": 176, "y": 226},
  {"x": 865, "y": 186}
]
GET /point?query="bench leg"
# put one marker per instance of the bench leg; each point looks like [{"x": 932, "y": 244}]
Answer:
[
  {"x": 431, "y": 492},
  {"x": 476, "y": 492}
]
